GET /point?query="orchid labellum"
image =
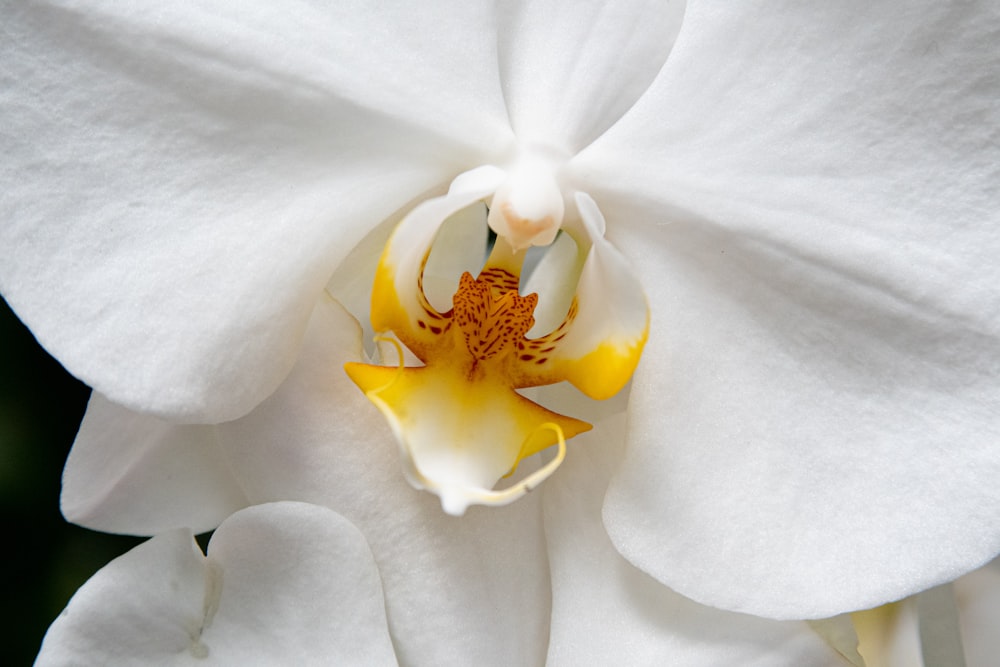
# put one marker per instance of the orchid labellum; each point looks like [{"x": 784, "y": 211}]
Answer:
[{"x": 460, "y": 422}]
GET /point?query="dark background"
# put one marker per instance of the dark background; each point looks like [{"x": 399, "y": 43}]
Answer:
[{"x": 45, "y": 559}]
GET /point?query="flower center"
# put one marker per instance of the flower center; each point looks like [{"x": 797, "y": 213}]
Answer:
[
  {"x": 459, "y": 420},
  {"x": 528, "y": 207},
  {"x": 490, "y": 313}
]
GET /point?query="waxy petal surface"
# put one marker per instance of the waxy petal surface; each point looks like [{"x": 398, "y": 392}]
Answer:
[
  {"x": 814, "y": 424},
  {"x": 179, "y": 184},
  {"x": 285, "y": 583},
  {"x": 569, "y": 70},
  {"x": 605, "y": 611},
  {"x": 132, "y": 473}
]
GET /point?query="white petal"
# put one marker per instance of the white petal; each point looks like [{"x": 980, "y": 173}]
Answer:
[
  {"x": 305, "y": 576},
  {"x": 132, "y": 473},
  {"x": 469, "y": 591},
  {"x": 809, "y": 197},
  {"x": 800, "y": 445},
  {"x": 571, "y": 69},
  {"x": 145, "y": 606},
  {"x": 179, "y": 184},
  {"x": 283, "y": 584},
  {"x": 605, "y": 611}
]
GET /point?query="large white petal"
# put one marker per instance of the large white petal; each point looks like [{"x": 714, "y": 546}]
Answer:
[
  {"x": 179, "y": 183},
  {"x": 146, "y": 606},
  {"x": 605, "y": 611},
  {"x": 469, "y": 591},
  {"x": 569, "y": 70},
  {"x": 282, "y": 584},
  {"x": 809, "y": 195},
  {"x": 132, "y": 473}
]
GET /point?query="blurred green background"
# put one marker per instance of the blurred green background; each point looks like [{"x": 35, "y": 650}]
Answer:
[{"x": 46, "y": 559}]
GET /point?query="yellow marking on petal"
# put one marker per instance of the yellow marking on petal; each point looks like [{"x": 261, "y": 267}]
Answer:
[
  {"x": 441, "y": 412},
  {"x": 603, "y": 372},
  {"x": 398, "y": 368},
  {"x": 600, "y": 374},
  {"x": 549, "y": 467},
  {"x": 387, "y": 312},
  {"x": 417, "y": 331}
]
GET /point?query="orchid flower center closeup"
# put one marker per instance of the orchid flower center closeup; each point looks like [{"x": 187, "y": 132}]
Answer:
[{"x": 459, "y": 419}]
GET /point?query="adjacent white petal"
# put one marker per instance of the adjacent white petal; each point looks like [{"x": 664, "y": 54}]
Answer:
[
  {"x": 299, "y": 586},
  {"x": 800, "y": 445},
  {"x": 809, "y": 196},
  {"x": 469, "y": 591},
  {"x": 570, "y": 69},
  {"x": 132, "y": 473},
  {"x": 605, "y": 611},
  {"x": 179, "y": 183},
  {"x": 286, "y": 583},
  {"x": 145, "y": 607}
]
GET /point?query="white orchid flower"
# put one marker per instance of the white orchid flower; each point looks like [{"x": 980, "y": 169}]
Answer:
[{"x": 805, "y": 194}]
